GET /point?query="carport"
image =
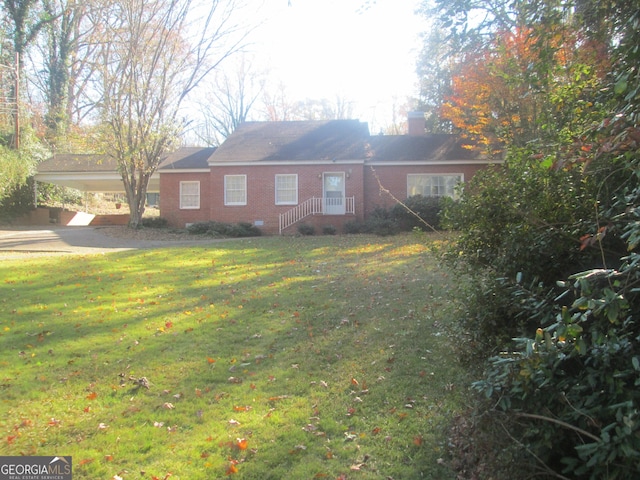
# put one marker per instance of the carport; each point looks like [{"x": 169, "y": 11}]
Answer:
[{"x": 87, "y": 173}]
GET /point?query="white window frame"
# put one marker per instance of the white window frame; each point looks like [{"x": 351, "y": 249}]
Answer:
[
  {"x": 189, "y": 200},
  {"x": 286, "y": 190},
  {"x": 448, "y": 188},
  {"x": 227, "y": 192}
]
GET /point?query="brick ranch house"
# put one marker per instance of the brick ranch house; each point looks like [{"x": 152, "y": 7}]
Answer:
[{"x": 277, "y": 174}]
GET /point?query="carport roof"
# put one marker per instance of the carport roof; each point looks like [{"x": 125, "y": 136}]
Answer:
[{"x": 99, "y": 173}]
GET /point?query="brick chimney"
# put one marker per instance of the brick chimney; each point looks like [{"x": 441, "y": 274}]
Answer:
[{"x": 416, "y": 123}]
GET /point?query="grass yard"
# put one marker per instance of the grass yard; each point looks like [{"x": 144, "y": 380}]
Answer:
[{"x": 270, "y": 358}]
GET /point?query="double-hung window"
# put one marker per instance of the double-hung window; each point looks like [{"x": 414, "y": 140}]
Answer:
[
  {"x": 235, "y": 189},
  {"x": 287, "y": 189},
  {"x": 429, "y": 185},
  {"x": 189, "y": 195}
]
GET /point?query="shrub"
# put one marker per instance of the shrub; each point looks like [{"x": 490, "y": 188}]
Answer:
[
  {"x": 306, "y": 229},
  {"x": 575, "y": 382},
  {"x": 50, "y": 194},
  {"x": 155, "y": 222},
  {"x": 243, "y": 229},
  {"x": 220, "y": 229},
  {"x": 418, "y": 212},
  {"x": 353, "y": 227},
  {"x": 569, "y": 383},
  {"x": 524, "y": 217},
  {"x": 381, "y": 222},
  {"x": 329, "y": 230},
  {"x": 199, "y": 228},
  {"x": 498, "y": 310}
]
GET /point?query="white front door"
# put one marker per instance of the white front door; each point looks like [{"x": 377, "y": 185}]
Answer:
[{"x": 333, "y": 186}]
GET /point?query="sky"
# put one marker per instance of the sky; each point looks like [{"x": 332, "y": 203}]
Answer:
[{"x": 323, "y": 48}]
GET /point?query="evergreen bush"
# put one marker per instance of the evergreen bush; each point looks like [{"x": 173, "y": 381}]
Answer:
[
  {"x": 306, "y": 229},
  {"x": 221, "y": 229}
]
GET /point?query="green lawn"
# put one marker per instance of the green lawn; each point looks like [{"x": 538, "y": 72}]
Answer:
[{"x": 313, "y": 357}]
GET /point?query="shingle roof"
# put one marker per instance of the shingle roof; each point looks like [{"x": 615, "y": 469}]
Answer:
[
  {"x": 71, "y": 162},
  {"x": 183, "y": 158},
  {"x": 297, "y": 141},
  {"x": 189, "y": 158},
  {"x": 407, "y": 148}
]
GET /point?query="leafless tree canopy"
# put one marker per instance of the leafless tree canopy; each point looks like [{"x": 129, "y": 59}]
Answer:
[
  {"x": 152, "y": 55},
  {"x": 231, "y": 98}
]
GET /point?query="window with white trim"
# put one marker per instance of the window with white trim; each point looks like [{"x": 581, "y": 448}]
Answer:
[
  {"x": 189, "y": 195},
  {"x": 235, "y": 189},
  {"x": 429, "y": 185},
  {"x": 287, "y": 189}
]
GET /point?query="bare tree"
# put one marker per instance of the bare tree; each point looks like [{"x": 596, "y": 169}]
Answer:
[
  {"x": 277, "y": 106},
  {"x": 155, "y": 52},
  {"x": 233, "y": 97},
  {"x": 323, "y": 109}
]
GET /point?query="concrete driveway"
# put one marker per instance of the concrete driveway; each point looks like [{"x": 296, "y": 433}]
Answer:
[{"x": 38, "y": 241}]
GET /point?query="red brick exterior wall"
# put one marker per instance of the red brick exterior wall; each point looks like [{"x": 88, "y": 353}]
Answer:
[
  {"x": 394, "y": 179},
  {"x": 261, "y": 205},
  {"x": 170, "y": 198},
  {"x": 360, "y": 182}
]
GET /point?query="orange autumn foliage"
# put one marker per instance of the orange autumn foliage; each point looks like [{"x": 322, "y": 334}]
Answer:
[{"x": 505, "y": 92}]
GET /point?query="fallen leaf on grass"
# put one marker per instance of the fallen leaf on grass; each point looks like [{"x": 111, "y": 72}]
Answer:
[
  {"x": 278, "y": 398},
  {"x": 349, "y": 437},
  {"x": 168, "y": 406},
  {"x": 232, "y": 468},
  {"x": 85, "y": 461},
  {"x": 234, "y": 423},
  {"x": 241, "y": 443},
  {"x": 297, "y": 448},
  {"x": 92, "y": 396},
  {"x": 242, "y": 408}
]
